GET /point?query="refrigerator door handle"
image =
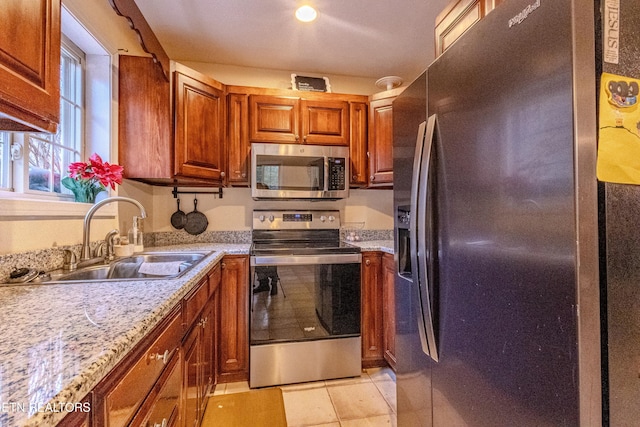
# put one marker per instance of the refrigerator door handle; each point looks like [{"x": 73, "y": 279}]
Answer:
[
  {"x": 413, "y": 233},
  {"x": 425, "y": 235}
]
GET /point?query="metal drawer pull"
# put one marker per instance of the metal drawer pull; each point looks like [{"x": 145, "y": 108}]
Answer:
[
  {"x": 163, "y": 424},
  {"x": 157, "y": 356}
]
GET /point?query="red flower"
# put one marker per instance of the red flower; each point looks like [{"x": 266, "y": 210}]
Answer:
[{"x": 96, "y": 172}]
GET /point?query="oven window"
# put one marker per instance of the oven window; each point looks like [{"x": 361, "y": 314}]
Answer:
[
  {"x": 290, "y": 173},
  {"x": 305, "y": 302}
]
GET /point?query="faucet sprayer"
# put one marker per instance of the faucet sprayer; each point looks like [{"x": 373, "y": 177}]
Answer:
[{"x": 86, "y": 252}]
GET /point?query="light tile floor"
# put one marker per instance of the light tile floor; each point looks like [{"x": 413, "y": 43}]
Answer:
[{"x": 368, "y": 400}]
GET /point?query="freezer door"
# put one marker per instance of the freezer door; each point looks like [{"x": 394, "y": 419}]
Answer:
[{"x": 506, "y": 251}]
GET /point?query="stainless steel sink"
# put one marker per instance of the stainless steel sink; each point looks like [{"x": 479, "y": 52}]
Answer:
[{"x": 143, "y": 266}]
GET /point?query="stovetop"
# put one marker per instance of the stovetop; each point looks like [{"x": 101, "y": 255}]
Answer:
[
  {"x": 303, "y": 248},
  {"x": 298, "y": 232}
]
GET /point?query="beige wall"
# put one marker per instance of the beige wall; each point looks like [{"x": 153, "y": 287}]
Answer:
[{"x": 233, "y": 211}]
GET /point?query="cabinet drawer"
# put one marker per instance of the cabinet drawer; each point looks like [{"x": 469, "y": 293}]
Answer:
[
  {"x": 123, "y": 400},
  {"x": 162, "y": 408},
  {"x": 194, "y": 302}
]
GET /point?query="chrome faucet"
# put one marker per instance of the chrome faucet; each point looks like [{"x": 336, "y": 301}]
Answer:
[{"x": 86, "y": 251}]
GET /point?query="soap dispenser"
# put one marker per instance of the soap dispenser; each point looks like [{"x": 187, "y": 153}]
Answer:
[{"x": 135, "y": 235}]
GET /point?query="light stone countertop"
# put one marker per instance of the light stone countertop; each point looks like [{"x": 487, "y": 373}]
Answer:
[
  {"x": 58, "y": 341},
  {"x": 374, "y": 245}
]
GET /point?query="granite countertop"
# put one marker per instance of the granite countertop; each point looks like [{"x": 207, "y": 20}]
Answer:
[
  {"x": 58, "y": 341},
  {"x": 374, "y": 245}
]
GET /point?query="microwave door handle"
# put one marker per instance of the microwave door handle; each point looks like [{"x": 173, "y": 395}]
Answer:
[{"x": 326, "y": 174}]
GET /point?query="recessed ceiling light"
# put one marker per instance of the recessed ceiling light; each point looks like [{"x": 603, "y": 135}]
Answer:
[{"x": 306, "y": 13}]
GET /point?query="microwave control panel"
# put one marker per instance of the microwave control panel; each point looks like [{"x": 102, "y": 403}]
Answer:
[{"x": 337, "y": 173}]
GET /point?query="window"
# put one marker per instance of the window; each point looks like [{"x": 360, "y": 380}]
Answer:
[{"x": 50, "y": 155}]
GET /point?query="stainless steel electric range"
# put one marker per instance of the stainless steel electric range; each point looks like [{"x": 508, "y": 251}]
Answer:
[{"x": 305, "y": 299}]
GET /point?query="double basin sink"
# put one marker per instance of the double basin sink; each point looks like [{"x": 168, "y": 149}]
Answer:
[{"x": 143, "y": 266}]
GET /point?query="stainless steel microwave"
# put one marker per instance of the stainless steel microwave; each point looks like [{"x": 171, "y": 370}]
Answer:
[{"x": 299, "y": 171}]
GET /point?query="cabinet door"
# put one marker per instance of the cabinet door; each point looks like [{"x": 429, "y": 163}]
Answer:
[
  {"x": 372, "y": 310},
  {"x": 458, "y": 17},
  {"x": 193, "y": 377},
  {"x": 238, "y": 139},
  {"x": 358, "y": 112},
  {"x": 199, "y": 133},
  {"x": 234, "y": 319},
  {"x": 274, "y": 119},
  {"x": 30, "y": 65},
  {"x": 381, "y": 142},
  {"x": 389, "y": 309},
  {"x": 210, "y": 330},
  {"x": 325, "y": 122},
  {"x": 145, "y": 142}
]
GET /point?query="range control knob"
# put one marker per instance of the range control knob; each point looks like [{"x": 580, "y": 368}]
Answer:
[
  {"x": 271, "y": 218},
  {"x": 261, "y": 218},
  {"x": 332, "y": 218},
  {"x": 323, "y": 218}
]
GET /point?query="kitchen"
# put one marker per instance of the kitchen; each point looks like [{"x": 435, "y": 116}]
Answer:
[{"x": 360, "y": 206}]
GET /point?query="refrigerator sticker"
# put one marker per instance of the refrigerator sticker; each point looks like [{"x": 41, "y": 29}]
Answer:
[
  {"x": 524, "y": 14},
  {"x": 611, "y": 30},
  {"x": 619, "y": 133}
]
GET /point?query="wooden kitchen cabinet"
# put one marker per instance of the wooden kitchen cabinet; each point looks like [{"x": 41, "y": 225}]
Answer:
[
  {"x": 458, "y": 17},
  {"x": 372, "y": 311},
  {"x": 199, "y": 114},
  {"x": 294, "y": 120},
  {"x": 358, "y": 113},
  {"x": 30, "y": 65},
  {"x": 150, "y": 147},
  {"x": 238, "y": 144},
  {"x": 325, "y": 122},
  {"x": 233, "y": 323},
  {"x": 389, "y": 308},
  {"x": 380, "y": 146},
  {"x": 274, "y": 119}
]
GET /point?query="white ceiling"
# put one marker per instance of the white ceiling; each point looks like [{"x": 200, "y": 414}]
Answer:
[{"x": 360, "y": 38}]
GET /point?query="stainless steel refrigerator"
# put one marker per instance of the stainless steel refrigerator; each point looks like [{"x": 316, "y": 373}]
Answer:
[{"x": 516, "y": 300}]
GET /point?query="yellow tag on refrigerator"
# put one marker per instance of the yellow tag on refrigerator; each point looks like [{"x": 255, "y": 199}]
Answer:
[{"x": 619, "y": 133}]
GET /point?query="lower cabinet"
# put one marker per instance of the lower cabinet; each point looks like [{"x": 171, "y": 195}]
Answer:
[
  {"x": 371, "y": 312},
  {"x": 233, "y": 325},
  {"x": 389, "y": 309},
  {"x": 378, "y": 310}
]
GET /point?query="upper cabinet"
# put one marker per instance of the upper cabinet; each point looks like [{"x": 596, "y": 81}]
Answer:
[
  {"x": 152, "y": 150},
  {"x": 30, "y": 65},
  {"x": 274, "y": 119},
  {"x": 457, "y": 18},
  {"x": 380, "y": 147},
  {"x": 199, "y": 113},
  {"x": 298, "y": 120}
]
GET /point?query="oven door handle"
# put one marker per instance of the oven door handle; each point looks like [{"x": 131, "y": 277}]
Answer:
[{"x": 305, "y": 259}]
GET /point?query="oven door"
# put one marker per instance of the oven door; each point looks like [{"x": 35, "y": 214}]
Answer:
[{"x": 302, "y": 298}]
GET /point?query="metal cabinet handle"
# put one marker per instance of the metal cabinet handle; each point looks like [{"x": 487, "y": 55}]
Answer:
[
  {"x": 244, "y": 175},
  {"x": 222, "y": 174},
  {"x": 367, "y": 262},
  {"x": 372, "y": 178},
  {"x": 223, "y": 265},
  {"x": 164, "y": 357},
  {"x": 162, "y": 424},
  {"x": 203, "y": 322}
]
